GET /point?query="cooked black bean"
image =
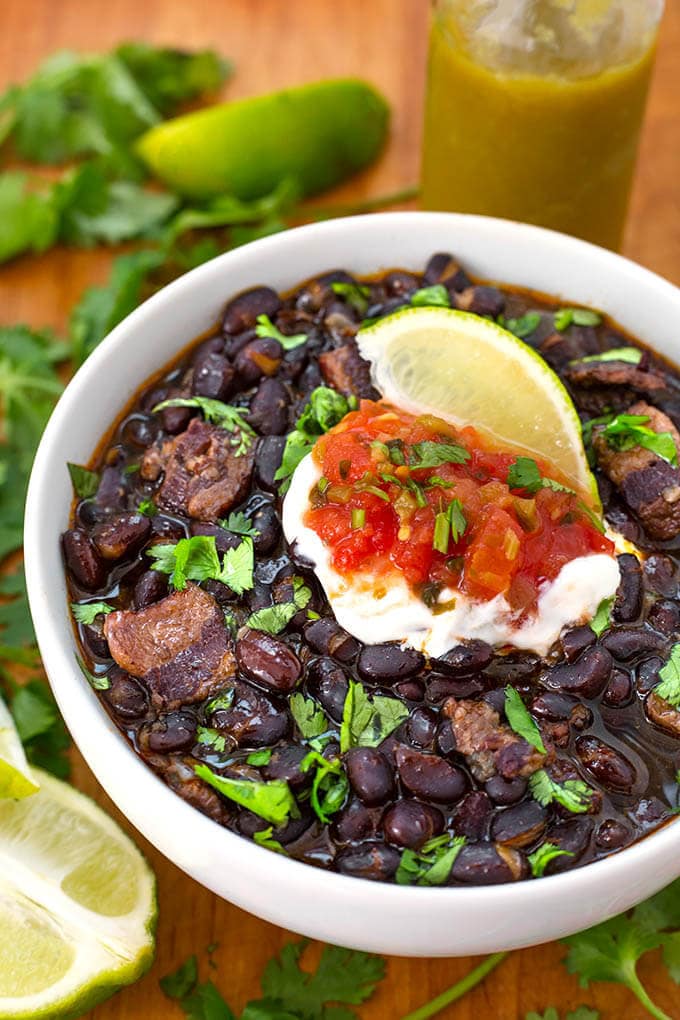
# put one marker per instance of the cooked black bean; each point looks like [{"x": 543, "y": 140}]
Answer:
[
  {"x": 370, "y": 775},
  {"x": 389, "y": 663},
  {"x": 268, "y": 661},
  {"x": 327, "y": 637},
  {"x": 268, "y": 460},
  {"x": 374, "y": 861},
  {"x": 269, "y": 408},
  {"x": 521, "y": 825},
  {"x": 593, "y": 696},
  {"x": 242, "y": 311},
  {"x": 429, "y": 776},
  {"x": 410, "y": 824},
  {"x": 464, "y": 660},
  {"x": 83, "y": 560},
  {"x": 587, "y": 676},
  {"x": 486, "y": 864},
  {"x": 608, "y": 767}
]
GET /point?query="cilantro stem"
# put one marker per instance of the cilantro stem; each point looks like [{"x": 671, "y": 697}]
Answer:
[
  {"x": 463, "y": 986},
  {"x": 640, "y": 993}
]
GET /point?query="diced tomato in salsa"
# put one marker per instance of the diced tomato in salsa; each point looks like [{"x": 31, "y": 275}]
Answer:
[{"x": 420, "y": 496}]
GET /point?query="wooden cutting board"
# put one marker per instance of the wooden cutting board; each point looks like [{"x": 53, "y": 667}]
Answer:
[{"x": 274, "y": 44}]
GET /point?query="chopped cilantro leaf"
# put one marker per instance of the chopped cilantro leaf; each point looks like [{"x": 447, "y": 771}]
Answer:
[
  {"x": 97, "y": 681},
  {"x": 266, "y": 839},
  {"x": 272, "y": 801},
  {"x": 669, "y": 677},
  {"x": 573, "y": 794},
  {"x": 310, "y": 719},
  {"x": 325, "y": 408},
  {"x": 521, "y": 721},
  {"x": 565, "y": 317},
  {"x": 602, "y": 619},
  {"x": 355, "y": 294},
  {"x": 211, "y": 738},
  {"x": 197, "y": 559},
  {"x": 262, "y": 757},
  {"x": 238, "y": 566},
  {"x": 272, "y": 619},
  {"x": 432, "y": 864},
  {"x": 435, "y": 296},
  {"x": 523, "y": 326},
  {"x": 148, "y": 508},
  {"x": 266, "y": 328},
  {"x": 430, "y": 454},
  {"x": 239, "y": 524},
  {"x": 629, "y": 355},
  {"x": 541, "y": 858},
  {"x": 626, "y": 431},
  {"x": 330, "y": 785},
  {"x": 87, "y": 612},
  {"x": 225, "y": 416},
  {"x": 367, "y": 721},
  {"x": 85, "y": 482}
]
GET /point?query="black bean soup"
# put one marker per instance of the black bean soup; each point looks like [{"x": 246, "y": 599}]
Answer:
[{"x": 449, "y": 796}]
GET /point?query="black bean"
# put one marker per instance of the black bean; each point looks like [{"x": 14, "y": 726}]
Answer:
[
  {"x": 268, "y": 661},
  {"x": 429, "y": 776},
  {"x": 553, "y": 707},
  {"x": 89, "y": 513},
  {"x": 647, "y": 674},
  {"x": 648, "y": 812},
  {"x": 370, "y": 775},
  {"x": 445, "y": 741},
  {"x": 111, "y": 489},
  {"x": 611, "y": 835},
  {"x": 660, "y": 575},
  {"x": 327, "y": 637},
  {"x": 421, "y": 726},
  {"x": 628, "y": 644},
  {"x": 327, "y": 682},
  {"x": 82, "y": 559},
  {"x": 176, "y": 419},
  {"x": 266, "y": 523},
  {"x": 505, "y": 791},
  {"x": 439, "y": 688},
  {"x": 521, "y": 825},
  {"x": 242, "y": 311},
  {"x": 269, "y": 408},
  {"x": 410, "y": 824},
  {"x": 473, "y": 816},
  {"x": 213, "y": 376},
  {"x": 249, "y": 823},
  {"x": 410, "y": 690},
  {"x": 482, "y": 300},
  {"x": 126, "y": 696},
  {"x": 486, "y": 864},
  {"x": 140, "y": 430},
  {"x": 92, "y": 636},
  {"x": 167, "y": 529},
  {"x": 609, "y": 767},
  {"x": 268, "y": 460},
  {"x": 619, "y": 690},
  {"x": 121, "y": 535},
  {"x": 389, "y": 662},
  {"x": 587, "y": 676},
  {"x": 438, "y": 267},
  {"x": 664, "y": 616},
  {"x": 496, "y": 699},
  {"x": 356, "y": 822},
  {"x": 254, "y": 719},
  {"x": 464, "y": 660},
  {"x": 629, "y": 595},
  {"x": 259, "y": 357},
  {"x": 374, "y": 861},
  {"x": 517, "y": 668},
  {"x": 224, "y": 539},
  {"x": 574, "y": 641},
  {"x": 573, "y": 836},
  {"x": 173, "y": 732},
  {"x": 399, "y": 282},
  {"x": 285, "y": 764}
]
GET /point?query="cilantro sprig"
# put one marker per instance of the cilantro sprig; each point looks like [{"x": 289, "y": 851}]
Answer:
[
  {"x": 330, "y": 784},
  {"x": 225, "y": 416},
  {"x": 197, "y": 559},
  {"x": 626, "y": 431},
  {"x": 325, "y": 408},
  {"x": 573, "y": 794},
  {"x": 521, "y": 721},
  {"x": 355, "y": 294},
  {"x": 87, "y": 612},
  {"x": 272, "y": 800},
  {"x": 432, "y": 864},
  {"x": 366, "y": 721},
  {"x": 541, "y": 858},
  {"x": 274, "y": 619},
  {"x": 266, "y": 328},
  {"x": 669, "y": 676}
]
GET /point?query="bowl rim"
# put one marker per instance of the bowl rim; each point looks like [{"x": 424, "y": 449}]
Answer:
[{"x": 67, "y": 683}]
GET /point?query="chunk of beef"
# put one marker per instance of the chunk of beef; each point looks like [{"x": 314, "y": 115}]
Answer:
[
  {"x": 663, "y": 714},
  {"x": 204, "y": 476},
  {"x": 346, "y": 371},
  {"x": 649, "y": 485},
  {"x": 615, "y": 373},
  {"x": 490, "y": 746},
  {"x": 179, "y": 646}
]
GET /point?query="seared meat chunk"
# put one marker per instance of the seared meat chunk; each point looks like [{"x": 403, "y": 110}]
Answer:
[
  {"x": 204, "y": 477},
  {"x": 346, "y": 371},
  {"x": 179, "y": 646},
  {"x": 615, "y": 373},
  {"x": 663, "y": 714},
  {"x": 490, "y": 746},
  {"x": 649, "y": 485}
]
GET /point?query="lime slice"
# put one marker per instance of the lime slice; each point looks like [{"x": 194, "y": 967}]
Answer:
[
  {"x": 77, "y": 905},
  {"x": 16, "y": 779},
  {"x": 470, "y": 371}
]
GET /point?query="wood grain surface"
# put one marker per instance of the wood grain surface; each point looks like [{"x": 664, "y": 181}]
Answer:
[{"x": 275, "y": 43}]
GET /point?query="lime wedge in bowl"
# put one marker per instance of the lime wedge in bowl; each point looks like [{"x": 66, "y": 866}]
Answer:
[
  {"x": 470, "y": 371},
  {"x": 77, "y": 905}
]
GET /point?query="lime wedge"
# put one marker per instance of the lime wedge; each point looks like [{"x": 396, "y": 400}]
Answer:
[
  {"x": 16, "y": 779},
  {"x": 470, "y": 371},
  {"x": 77, "y": 905}
]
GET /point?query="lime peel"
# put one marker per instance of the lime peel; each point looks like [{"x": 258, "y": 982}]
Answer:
[{"x": 470, "y": 371}]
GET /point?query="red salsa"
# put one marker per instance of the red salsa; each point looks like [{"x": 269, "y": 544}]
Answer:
[{"x": 433, "y": 501}]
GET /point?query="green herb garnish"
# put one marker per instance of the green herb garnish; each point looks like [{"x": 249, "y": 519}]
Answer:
[
  {"x": 266, "y": 328},
  {"x": 366, "y": 722},
  {"x": 524, "y": 325},
  {"x": 626, "y": 431},
  {"x": 211, "y": 738},
  {"x": 355, "y": 294},
  {"x": 85, "y": 482},
  {"x": 272, "y": 801},
  {"x": 326, "y": 407},
  {"x": 629, "y": 355},
  {"x": 429, "y": 454},
  {"x": 87, "y": 612},
  {"x": 521, "y": 721},
  {"x": 148, "y": 508},
  {"x": 239, "y": 524},
  {"x": 432, "y": 864},
  {"x": 225, "y": 416},
  {"x": 602, "y": 619},
  {"x": 575, "y": 316},
  {"x": 573, "y": 794},
  {"x": 197, "y": 559},
  {"x": 310, "y": 718},
  {"x": 435, "y": 296},
  {"x": 541, "y": 858},
  {"x": 669, "y": 676},
  {"x": 330, "y": 785}
]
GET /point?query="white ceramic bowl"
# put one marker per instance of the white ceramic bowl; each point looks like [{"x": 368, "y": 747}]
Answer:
[{"x": 347, "y": 911}]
